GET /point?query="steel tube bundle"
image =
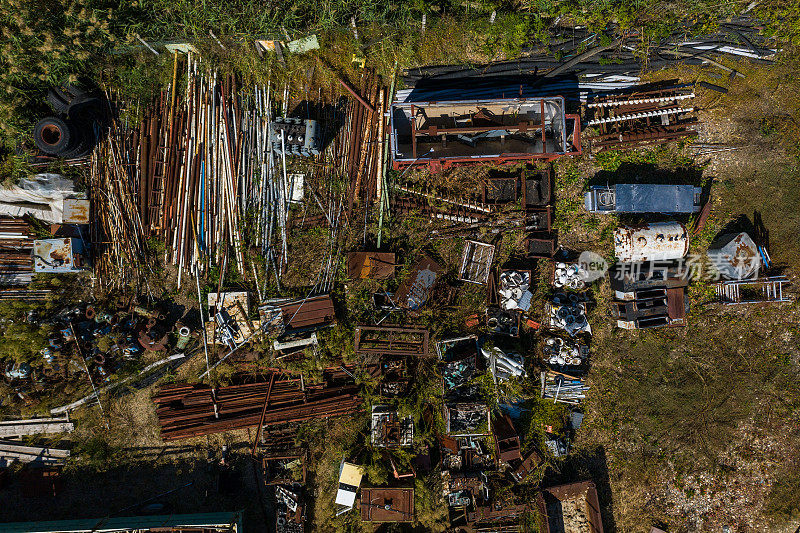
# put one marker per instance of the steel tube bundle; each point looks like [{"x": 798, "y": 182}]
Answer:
[{"x": 185, "y": 410}]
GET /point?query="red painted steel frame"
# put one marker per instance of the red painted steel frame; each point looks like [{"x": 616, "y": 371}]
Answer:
[{"x": 436, "y": 165}]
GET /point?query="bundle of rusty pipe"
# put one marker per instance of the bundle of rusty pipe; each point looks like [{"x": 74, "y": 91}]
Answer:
[
  {"x": 186, "y": 410},
  {"x": 363, "y": 161},
  {"x": 16, "y": 245},
  {"x": 200, "y": 157},
  {"x": 119, "y": 240}
]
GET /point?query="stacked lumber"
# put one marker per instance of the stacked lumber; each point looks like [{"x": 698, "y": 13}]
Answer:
[
  {"x": 35, "y": 426},
  {"x": 11, "y": 451},
  {"x": 186, "y": 410}
]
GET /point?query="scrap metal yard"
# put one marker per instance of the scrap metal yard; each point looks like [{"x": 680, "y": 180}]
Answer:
[{"x": 295, "y": 283}]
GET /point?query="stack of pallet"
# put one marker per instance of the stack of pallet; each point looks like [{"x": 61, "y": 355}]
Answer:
[{"x": 186, "y": 410}]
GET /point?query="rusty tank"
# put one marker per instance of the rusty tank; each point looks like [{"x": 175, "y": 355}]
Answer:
[{"x": 661, "y": 241}]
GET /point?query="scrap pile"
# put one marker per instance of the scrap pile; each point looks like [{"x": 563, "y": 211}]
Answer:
[
  {"x": 654, "y": 114},
  {"x": 601, "y": 62},
  {"x": 186, "y": 410}
]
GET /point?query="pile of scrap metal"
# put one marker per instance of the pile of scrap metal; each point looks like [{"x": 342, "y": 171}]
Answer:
[
  {"x": 101, "y": 342},
  {"x": 503, "y": 363},
  {"x": 51, "y": 199},
  {"x": 562, "y": 387},
  {"x": 290, "y": 509},
  {"x": 230, "y": 322},
  {"x": 465, "y": 464},
  {"x": 570, "y": 508},
  {"x": 567, "y": 313},
  {"x": 513, "y": 290},
  {"x": 460, "y": 364},
  {"x": 471, "y": 486},
  {"x": 650, "y": 279},
  {"x": 393, "y": 352},
  {"x": 740, "y": 261},
  {"x": 564, "y": 343},
  {"x": 644, "y": 115},
  {"x": 579, "y": 61},
  {"x": 569, "y": 355},
  {"x": 389, "y": 430},
  {"x": 284, "y": 471},
  {"x": 186, "y": 410},
  {"x": 283, "y": 466},
  {"x": 509, "y": 296},
  {"x": 294, "y": 322}
]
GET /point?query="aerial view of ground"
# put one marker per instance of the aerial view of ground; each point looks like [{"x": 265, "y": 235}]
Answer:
[{"x": 451, "y": 266}]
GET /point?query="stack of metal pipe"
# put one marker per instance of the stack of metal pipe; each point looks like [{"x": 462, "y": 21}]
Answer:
[{"x": 186, "y": 410}]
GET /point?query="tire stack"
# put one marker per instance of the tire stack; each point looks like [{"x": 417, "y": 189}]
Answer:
[{"x": 70, "y": 132}]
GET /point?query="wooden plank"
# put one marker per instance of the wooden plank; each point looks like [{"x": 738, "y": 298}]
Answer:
[{"x": 35, "y": 427}]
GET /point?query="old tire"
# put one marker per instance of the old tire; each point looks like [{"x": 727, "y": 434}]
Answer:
[
  {"x": 59, "y": 101},
  {"x": 52, "y": 135},
  {"x": 83, "y": 141}
]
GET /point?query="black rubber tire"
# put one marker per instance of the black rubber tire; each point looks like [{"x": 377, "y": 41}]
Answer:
[
  {"x": 58, "y": 101},
  {"x": 52, "y": 135},
  {"x": 82, "y": 139}
]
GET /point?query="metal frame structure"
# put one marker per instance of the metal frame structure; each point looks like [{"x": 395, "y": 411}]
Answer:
[
  {"x": 476, "y": 262},
  {"x": 730, "y": 292},
  {"x": 491, "y": 118},
  {"x": 391, "y": 341}
]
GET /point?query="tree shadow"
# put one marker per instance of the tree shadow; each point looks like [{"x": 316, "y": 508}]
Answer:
[
  {"x": 648, "y": 173},
  {"x": 331, "y": 117},
  {"x": 92, "y": 489}
]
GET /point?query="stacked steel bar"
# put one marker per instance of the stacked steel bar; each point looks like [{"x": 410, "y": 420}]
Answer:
[
  {"x": 186, "y": 410},
  {"x": 16, "y": 247}
]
